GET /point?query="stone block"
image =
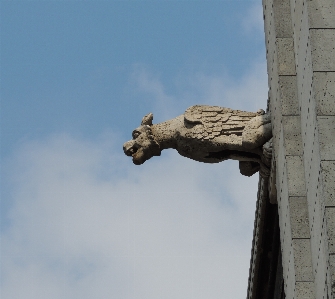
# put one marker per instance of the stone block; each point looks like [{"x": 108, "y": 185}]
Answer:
[
  {"x": 324, "y": 91},
  {"x": 289, "y": 95},
  {"x": 292, "y": 135},
  {"x": 332, "y": 271},
  {"x": 326, "y": 127},
  {"x": 303, "y": 260},
  {"x": 328, "y": 180},
  {"x": 330, "y": 218},
  {"x": 282, "y": 16},
  {"x": 286, "y": 61},
  {"x": 304, "y": 290},
  {"x": 295, "y": 176},
  {"x": 299, "y": 217},
  {"x": 323, "y": 49},
  {"x": 321, "y": 13}
]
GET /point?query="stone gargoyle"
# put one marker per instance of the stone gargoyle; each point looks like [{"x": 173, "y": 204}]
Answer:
[{"x": 209, "y": 134}]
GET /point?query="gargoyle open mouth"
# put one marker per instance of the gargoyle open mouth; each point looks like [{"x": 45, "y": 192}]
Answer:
[
  {"x": 138, "y": 155},
  {"x": 130, "y": 148},
  {"x": 132, "y": 151}
]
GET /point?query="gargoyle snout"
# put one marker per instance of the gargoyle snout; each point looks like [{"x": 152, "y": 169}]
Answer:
[{"x": 128, "y": 148}]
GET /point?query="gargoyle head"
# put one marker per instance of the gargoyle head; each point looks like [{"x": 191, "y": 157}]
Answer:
[{"x": 143, "y": 145}]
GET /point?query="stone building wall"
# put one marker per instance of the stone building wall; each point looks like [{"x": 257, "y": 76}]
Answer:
[{"x": 300, "y": 44}]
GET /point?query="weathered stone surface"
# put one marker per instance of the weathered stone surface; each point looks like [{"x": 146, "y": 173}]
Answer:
[
  {"x": 305, "y": 290},
  {"x": 330, "y": 218},
  {"x": 323, "y": 49},
  {"x": 299, "y": 217},
  {"x": 332, "y": 270},
  {"x": 328, "y": 178},
  {"x": 303, "y": 259},
  {"x": 283, "y": 24},
  {"x": 286, "y": 62},
  {"x": 324, "y": 90},
  {"x": 295, "y": 176},
  {"x": 321, "y": 13},
  {"x": 289, "y": 95},
  {"x": 326, "y": 126},
  {"x": 209, "y": 134},
  {"x": 292, "y": 135}
]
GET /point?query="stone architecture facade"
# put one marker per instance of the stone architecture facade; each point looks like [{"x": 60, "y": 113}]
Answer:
[{"x": 293, "y": 252}]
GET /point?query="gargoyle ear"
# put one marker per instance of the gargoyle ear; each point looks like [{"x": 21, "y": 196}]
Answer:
[{"x": 147, "y": 120}]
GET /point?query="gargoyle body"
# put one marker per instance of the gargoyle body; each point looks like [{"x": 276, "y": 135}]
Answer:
[{"x": 209, "y": 134}]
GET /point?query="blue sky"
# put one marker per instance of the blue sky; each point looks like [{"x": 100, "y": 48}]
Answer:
[{"x": 78, "y": 219}]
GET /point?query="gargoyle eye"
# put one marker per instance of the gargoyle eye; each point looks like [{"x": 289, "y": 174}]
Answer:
[{"x": 136, "y": 134}]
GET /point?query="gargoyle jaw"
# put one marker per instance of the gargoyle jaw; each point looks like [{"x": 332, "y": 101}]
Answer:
[
  {"x": 138, "y": 158},
  {"x": 129, "y": 148},
  {"x": 132, "y": 150}
]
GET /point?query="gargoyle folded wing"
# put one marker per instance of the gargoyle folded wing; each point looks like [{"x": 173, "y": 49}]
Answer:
[{"x": 211, "y": 121}]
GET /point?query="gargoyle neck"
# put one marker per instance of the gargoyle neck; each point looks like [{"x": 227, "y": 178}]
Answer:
[{"x": 165, "y": 133}]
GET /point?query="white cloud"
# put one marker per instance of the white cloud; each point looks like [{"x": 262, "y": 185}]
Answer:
[{"x": 172, "y": 229}]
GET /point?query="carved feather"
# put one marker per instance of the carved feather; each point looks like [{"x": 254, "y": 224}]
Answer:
[{"x": 215, "y": 121}]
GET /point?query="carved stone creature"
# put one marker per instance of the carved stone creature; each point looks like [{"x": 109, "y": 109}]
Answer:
[{"x": 209, "y": 134}]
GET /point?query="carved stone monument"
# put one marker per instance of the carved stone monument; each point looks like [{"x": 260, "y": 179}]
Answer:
[{"x": 208, "y": 134}]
